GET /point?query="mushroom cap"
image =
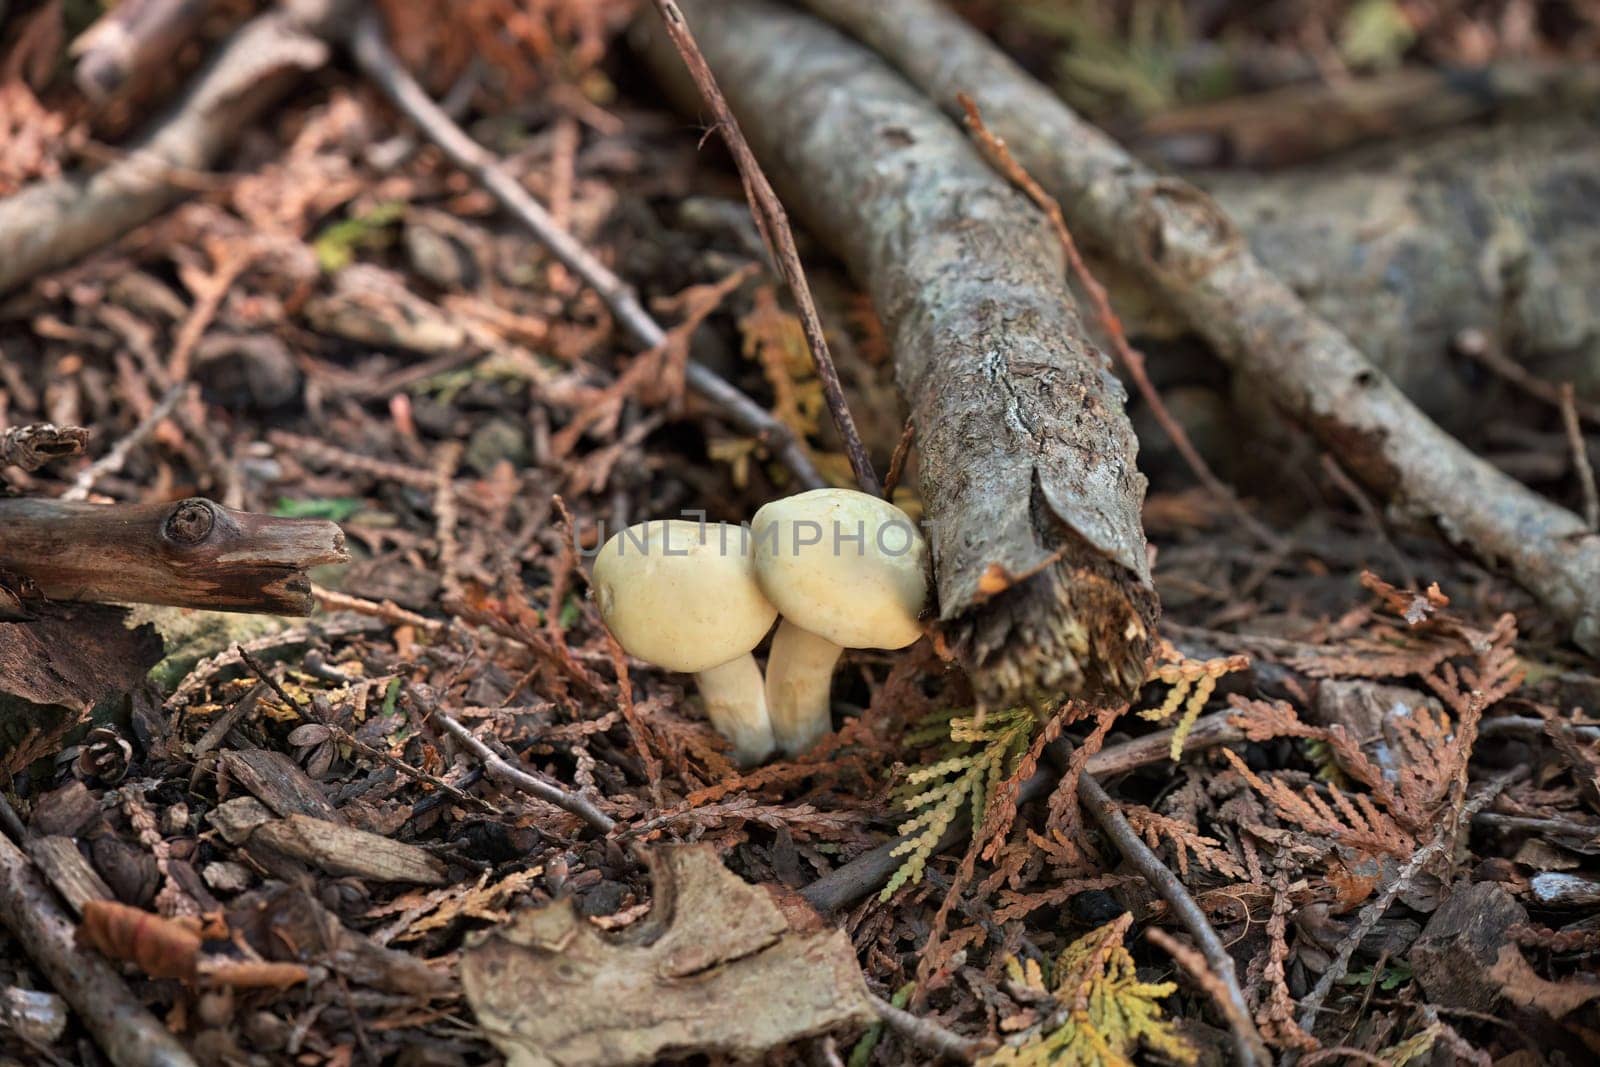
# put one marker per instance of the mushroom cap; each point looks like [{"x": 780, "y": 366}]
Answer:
[
  {"x": 682, "y": 595},
  {"x": 845, "y": 565}
]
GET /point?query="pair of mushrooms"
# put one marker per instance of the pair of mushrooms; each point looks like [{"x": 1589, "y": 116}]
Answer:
[{"x": 845, "y": 570}]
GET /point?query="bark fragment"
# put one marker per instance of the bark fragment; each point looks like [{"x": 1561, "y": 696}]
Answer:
[{"x": 1030, "y": 492}]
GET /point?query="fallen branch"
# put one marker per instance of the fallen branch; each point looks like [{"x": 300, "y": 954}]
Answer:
[
  {"x": 1030, "y": 491},
  {"x": 119, "y": 1023},
  {"x": 1175, "y": 239},
  {"x": 379, "y": 63},
  {"x": 52, "y": 223},
  {"x": 868, "y": 872},
  {"x": 31, "y": 447},
  {"x": 192, "y": 554},
  {"x": 773, "y": 224}
]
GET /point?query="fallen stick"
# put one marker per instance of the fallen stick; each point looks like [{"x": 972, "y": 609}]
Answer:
[
  {"x": 123, "y": 1028},
  {"x": 1030, "y": 493},
  {"x": 52, "y": 223},
  {"x": 379, "y": 63},
  {"x": 1248, "y": 1048},
  {"x": 192, "y": 554},
  {"x": 868, "y": 872},
  {"x": 1176, "y": 240}
]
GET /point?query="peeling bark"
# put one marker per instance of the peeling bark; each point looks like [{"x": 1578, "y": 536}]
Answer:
[
  {"x": 1030, "y": 492},
  {"x": 1176, "y": 239}
]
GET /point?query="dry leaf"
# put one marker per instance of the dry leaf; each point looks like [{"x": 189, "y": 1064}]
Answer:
[{"x": 716, "y": 968}]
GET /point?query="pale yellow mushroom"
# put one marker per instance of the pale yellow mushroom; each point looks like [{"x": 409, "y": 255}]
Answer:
[
  {"x": 682, "y": 595},
  {"x": 845, "y": 570}
]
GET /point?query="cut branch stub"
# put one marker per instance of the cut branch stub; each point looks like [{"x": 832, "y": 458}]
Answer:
[
  {"x": 193, "y": 553},
  {"x": 1030, "y": 492}
]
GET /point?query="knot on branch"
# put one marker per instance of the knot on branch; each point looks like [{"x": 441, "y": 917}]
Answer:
[{"x": 190, "y": 523}]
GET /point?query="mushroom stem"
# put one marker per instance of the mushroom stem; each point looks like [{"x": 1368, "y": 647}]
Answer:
[
  {"x": 736, "y": 703},
  {"x": 799, "y": 679}
]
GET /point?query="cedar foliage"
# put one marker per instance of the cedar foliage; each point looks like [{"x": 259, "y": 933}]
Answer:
[
  {"x": 977, "y": 754},
  {"x": 1105, "y": 1011}
]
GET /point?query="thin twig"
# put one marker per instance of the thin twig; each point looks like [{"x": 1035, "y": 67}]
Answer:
[
  {"x": 112, "y": 461},
  {"x": 507, "y": 775},
  {"x": 1580, "y": 456},
  {"x": 345, "y": 737},
  {"x": 388, "y": 610},
  {"x": 446, "y": 512},
  {"x": 379, "y": 63},
  {"x": 31, "y": 447},
  {"x": 1374, "y": 911},
  {"x": 897, "y": 462},
  {"x": 1476, "y": 345},
  {"x": 1248, "y": 1047},
  {"x": 1132, "y": 360},
  {"x": 1194, "y": 965},
  {"x": 927, "y": 1033},
  {"x": 773, "y": 223}
]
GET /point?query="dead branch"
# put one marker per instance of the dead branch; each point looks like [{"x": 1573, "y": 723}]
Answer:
[
  {"x": 868, "y": 872},
  {"x": 55, "y": 222},
  {"x": 1028, "y": 481},
  {"x": 1174, "y": 238},
  {"x": 773, "y": 223},
  {"x": 379, "y": 63},
  {"x": 193, "y": 554},
  {"x": 31, "y": 447},
  {"x": 1248, "y": 1047},
  {"x": 119, "y": 1023}
]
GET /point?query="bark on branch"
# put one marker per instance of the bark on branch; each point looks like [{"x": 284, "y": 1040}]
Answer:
[
  {"x": 1030, "y": 493},
  {"x": 192, "y": 554},
  {"x": 1176, "y": 239}
]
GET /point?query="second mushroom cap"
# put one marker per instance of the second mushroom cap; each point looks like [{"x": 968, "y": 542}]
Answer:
[{"x": 846, "y": 566}]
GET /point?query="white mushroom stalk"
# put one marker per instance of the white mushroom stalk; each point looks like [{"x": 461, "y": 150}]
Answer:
[
  {"x": 682, "y": 595},
  {"x": 846, "y": 570}
]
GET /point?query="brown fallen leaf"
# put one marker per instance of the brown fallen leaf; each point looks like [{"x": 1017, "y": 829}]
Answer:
[{"x": 716, "y": 968}]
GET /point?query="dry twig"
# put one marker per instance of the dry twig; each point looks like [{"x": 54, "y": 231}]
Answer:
[
  {"x": 1248, "y": 1047},
  {"x": 1580, "y": 456},
  {"x": 927, "y": 1033},
  {"x": 1376, "y": 908},
  {"x": 503, "y": 772},
  {"x": 380, "y": 64},
  {"x": 773, "y": 223}
]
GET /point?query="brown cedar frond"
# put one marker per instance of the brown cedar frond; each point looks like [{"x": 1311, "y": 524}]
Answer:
[
  {"x": 1372, "y": 831},
  {"x": 1208, "y": 851},
  {"x": 1276, "y": 1016},
  {"x": 1018, "y": 905}
]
